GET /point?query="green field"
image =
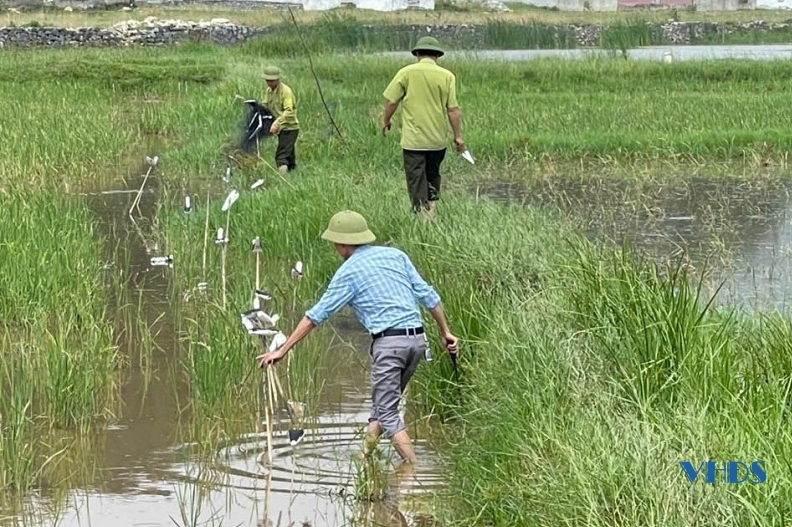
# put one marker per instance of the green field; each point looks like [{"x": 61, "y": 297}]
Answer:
[{"x": 588, "y": 373}]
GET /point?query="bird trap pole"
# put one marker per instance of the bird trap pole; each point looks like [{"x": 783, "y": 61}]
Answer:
[
  {"x": 223, "y": 240},
  {"x": 206, "y": 235},
  {"x": 264, "y": 386},
  {"x": 151, "y": 162}
]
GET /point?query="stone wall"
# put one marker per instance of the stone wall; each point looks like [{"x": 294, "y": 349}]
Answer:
[
  {"x": 153, "y": 32},
  {"x": 150, "y": 32}
]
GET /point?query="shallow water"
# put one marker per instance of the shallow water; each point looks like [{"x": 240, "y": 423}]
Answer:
[
  {"x": 147, "y": 477},
  {"x": 652, "y": 53},
  {"x": 738, "y": 230}
]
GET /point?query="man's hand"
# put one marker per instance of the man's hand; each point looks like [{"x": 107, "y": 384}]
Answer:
[
  {"x": 274, "y": 129},
  {"x": 271, "y": 357},
  {"x": 459, "y": 144},
  {"x": 451, "y": 343},
  {"x": 386, "y": 125}
]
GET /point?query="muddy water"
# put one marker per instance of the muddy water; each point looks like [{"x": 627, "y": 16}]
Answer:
[
  {"x": 736, "y": 231},
  {"x": 148, "y": 476}
]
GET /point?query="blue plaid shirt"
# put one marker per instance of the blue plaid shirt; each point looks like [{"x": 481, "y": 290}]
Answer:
[{"x": 381, "y": 285}]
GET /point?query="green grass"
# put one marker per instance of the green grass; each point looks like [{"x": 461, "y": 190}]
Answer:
[
  {"x": 583, "y": 402},
  {"x": 587, "y": 376},
  {"x": 526, "y": 27},
  {"x": 59, "y": 359}
]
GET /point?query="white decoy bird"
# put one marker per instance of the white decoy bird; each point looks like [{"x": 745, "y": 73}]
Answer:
[
  {"x": 297, "y": 271},
  {"x": 277, "y": 341}
]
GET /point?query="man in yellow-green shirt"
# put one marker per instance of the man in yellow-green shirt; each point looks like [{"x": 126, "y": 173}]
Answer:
[
  {"x": 279, "y": 99},
  {"x": 427, "y": 93}
]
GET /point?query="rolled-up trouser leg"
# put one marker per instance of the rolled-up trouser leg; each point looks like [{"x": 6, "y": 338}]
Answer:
[{"x": 393, "y": 363}]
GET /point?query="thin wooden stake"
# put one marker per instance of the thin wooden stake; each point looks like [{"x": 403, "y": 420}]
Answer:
[
  {"x": 269, "y": 428},
  {"x": 206, "y": 235},
  {"x": 136, "y": 202}
]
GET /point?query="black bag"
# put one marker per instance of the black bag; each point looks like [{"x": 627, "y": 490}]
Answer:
[{"x": 256, "y": 127}]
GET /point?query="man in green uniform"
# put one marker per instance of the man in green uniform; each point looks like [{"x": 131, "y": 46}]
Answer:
[
  {"x": 427, "y": 93},
  {"x": 279, "y": 98}
]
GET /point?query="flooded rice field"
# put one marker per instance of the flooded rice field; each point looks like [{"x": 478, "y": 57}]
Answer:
[
  {"x": 146, "y": 474},
  {"x": 736, "y": 230}
]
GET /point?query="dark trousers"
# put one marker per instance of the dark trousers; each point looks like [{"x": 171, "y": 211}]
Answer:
[
  {"x": 284, "y": 153},
  {"x": 422, "y": 169}
]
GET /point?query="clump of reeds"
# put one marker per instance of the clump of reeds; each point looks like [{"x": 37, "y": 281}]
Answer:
[{"x": 59, "y": 359}]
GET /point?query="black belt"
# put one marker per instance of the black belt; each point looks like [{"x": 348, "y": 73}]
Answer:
[{"x": 398, "y": 333}]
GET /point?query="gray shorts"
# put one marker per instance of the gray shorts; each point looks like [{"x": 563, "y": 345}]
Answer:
[{"x": 393, "y": 362}]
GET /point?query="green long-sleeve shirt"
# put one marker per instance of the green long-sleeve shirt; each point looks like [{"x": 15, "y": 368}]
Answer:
[{"x": 283, "y": 106}]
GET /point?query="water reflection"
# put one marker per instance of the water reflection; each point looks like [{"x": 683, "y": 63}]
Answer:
[
  {"x": 738, "y": 227},
  {"x": 146, "y": 477},
  {"x": 651, "y": 53}
]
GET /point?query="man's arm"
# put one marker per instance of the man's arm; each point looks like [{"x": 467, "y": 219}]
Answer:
[
  {"x": 304, "y": 327},
  {"x": 454, "y": 119},
  {"x": 454, "y": 114},
  {"x": 390, "y": 109},
  {"x": 339, "y": 293},
  {"x": 431, "y": 300},
  {"x": 394, "y": 94},
  {"x": 439, "y": 317}
]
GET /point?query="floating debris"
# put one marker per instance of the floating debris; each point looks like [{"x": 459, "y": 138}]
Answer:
[
  {"x": 187, "y": 207},
  {"x": 152, "y": 161},
  {"x": 227, "y": 177},
  {"x": 256, "y": 245},
  {"x": 162, "y": 261},
  {"x": 257, "y": 184}
]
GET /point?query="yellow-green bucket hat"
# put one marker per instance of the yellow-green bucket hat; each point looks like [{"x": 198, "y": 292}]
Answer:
[
  {"x": 348, "y": 228},
  {"x": 271, "y": 73},
  {"x": 428, "y": 44}
]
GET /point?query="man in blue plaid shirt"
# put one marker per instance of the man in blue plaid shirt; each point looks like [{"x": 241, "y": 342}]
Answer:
[{"x": 381, "y": 285}]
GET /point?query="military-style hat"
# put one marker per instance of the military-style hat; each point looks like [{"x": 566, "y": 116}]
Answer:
[
  {"x": 271, "y": 73},
  {"x": 348, "y": 228},
  {"x": 428, "y": 44}
]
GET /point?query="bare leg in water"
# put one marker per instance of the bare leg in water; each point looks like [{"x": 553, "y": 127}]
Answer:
[{"x": 401, "y": 442}]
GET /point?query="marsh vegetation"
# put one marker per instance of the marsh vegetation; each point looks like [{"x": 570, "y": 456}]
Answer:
[{"x": 588, "y": 370}]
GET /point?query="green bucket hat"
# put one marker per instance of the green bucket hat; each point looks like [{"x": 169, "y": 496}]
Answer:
[
  {"x": 348, "y": 228},
  {"x": 428, "y": 44},
  {"x": 271, "y": 73}
]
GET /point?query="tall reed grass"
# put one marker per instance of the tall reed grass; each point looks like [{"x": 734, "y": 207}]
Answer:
[
  {"x": 586, "y": 377},
  {"x": 346, "y": 32},
  {"x": 59, "y": 359}
]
